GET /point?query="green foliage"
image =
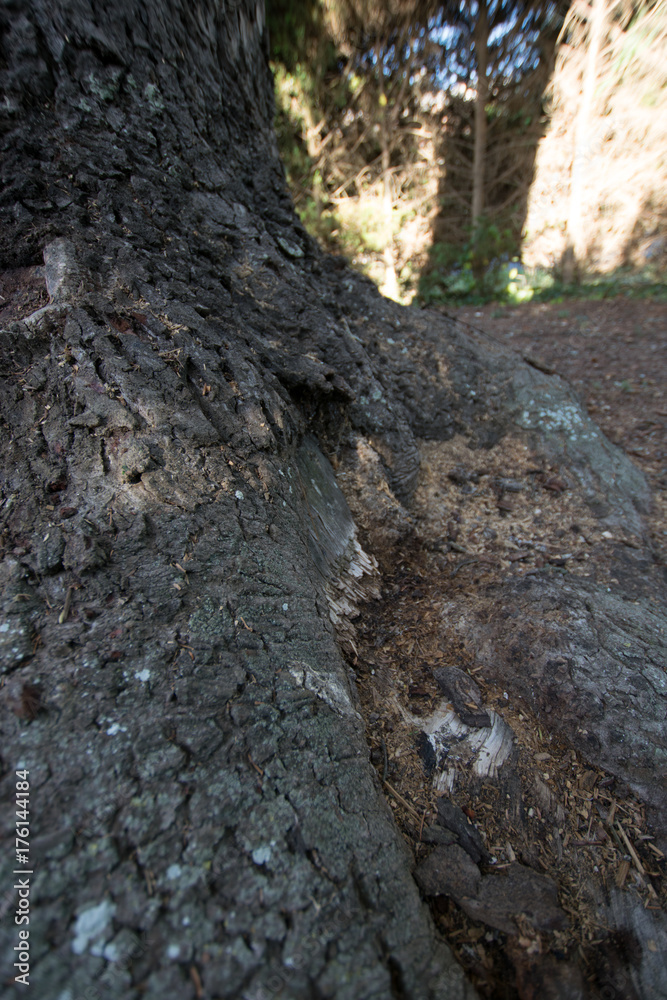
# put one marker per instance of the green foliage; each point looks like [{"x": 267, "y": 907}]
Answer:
[
  {"x": 483, "y": 270},
  {"x": 362, "y": 94},
  {"x": 451, "y": 281},
  {"x": 295, "y": 30},
  {"x": 297, "y": 100},
  {"x": 489, "y": 243}
]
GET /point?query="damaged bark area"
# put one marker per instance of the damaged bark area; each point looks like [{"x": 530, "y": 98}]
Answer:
[{"x": 216, "y": 444}]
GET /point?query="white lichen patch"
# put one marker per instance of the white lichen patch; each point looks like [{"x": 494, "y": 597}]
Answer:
[
  {"x": 325, "y": 684},
  {"x": 93, "y": 928},
  {"x": 153, "y": 97},
  {"x": 261, "y": 855},
  {"x": 561, "y": 417},
  {"x": 116, "y": 728},
  {"x": 15, "y": 643},
  {"x": 111, "y": 952}
]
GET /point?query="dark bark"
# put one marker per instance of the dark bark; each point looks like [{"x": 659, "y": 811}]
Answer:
[
  {"x": 203, "y": 808},
  {"x": 205, "y": 820}
]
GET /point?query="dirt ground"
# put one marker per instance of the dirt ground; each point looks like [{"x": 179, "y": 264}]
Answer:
[{"x": 615, "y": 354}]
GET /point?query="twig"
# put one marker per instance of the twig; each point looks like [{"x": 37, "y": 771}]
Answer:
[
  {"x": 465, "y": 562},
  {"x": 196, "y": 979},
  {"x": 400, "y": 798},
  {"x": 631, "y": 851},
  {"x": 62, "y": 617},
  {"x": 256, "y": 766},
  {"x": 455, "y": 547},
  {"x": 386, "y": 760}
]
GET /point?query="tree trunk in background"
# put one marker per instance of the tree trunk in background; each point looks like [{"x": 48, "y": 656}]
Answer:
[
  {"x": 390, "y": 285},
  {"x": 576, "y": 235},
  {"x": 204, "y": 817},
  {"x": 479, "y": 154}
]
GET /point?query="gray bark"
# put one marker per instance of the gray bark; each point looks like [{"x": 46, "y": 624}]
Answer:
[
  {"x": 205, "y": 820},
  {"x": 204, "y": 817}
]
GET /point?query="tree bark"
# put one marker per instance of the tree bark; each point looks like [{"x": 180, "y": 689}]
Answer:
[
  {"x": 180, "y": 566},
  {"x": 204, "y": 817}
]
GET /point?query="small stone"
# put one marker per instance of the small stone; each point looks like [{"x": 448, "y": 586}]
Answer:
[
  {"x": 437, "y": 835},
  {"x": 517, "y": 890}
]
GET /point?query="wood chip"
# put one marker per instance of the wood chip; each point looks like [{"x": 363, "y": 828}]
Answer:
[
  {"x": 403, "y": 802},
  {"x": 62, "y": 618},
  {"x": 622, "y": 873},
  {"x": 631, "y": 850}
]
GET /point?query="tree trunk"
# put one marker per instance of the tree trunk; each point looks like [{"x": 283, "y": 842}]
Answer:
[
  {"x": 479, "y": 155},
  {"x": 390, "y": 285},
  {"x": 180, "y": 567},
  {"x": 575, "y": 231}
]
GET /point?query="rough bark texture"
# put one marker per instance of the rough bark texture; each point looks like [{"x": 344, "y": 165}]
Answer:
[
  {"x": 204, "y": 817},
  {"x": 203, "y": 809}
]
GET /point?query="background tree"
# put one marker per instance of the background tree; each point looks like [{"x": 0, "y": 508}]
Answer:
[
  {"x": 358, "y": 137},
  {"x": 597, "y": 201},
  {"x": 574, "y": 249},
  {"x": 496, "y": 61},
  {"x": 429, "y": 135},
  {"x": 605, "y": 193}
]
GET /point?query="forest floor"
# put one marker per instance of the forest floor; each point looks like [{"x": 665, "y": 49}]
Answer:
[
  {"x": 614, "y": 352},
  {"x": 552, "y": 811}
]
